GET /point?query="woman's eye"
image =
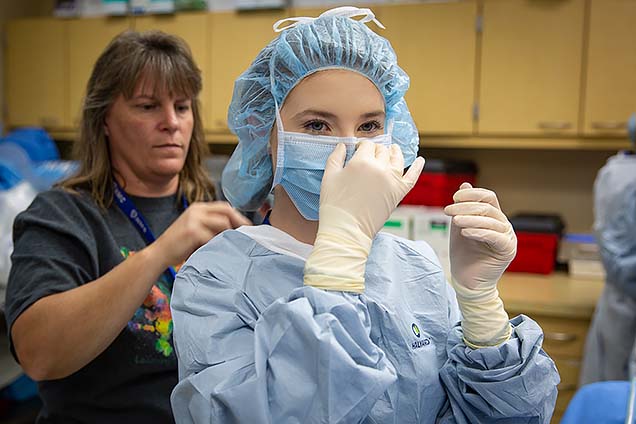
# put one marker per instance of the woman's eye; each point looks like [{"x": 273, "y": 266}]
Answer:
[
  {"x": 146, "y": 106},
  {"x": 316, "y": 126},
  {"x": 370, "y": 126},
  {"x": 183, "y": 108}
]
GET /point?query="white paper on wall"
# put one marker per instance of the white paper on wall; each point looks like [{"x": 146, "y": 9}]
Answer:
[
  {"x": 261, "y": 4},
  {"x": 115, "y": 7},
  {"x": 90, "y": 8},
  {"x": 141, "y": 7},
  {"x": 221, "y": 5}
]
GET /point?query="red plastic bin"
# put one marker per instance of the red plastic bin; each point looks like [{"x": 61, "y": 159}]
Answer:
[
  {"x": 439, "y": 181},
  {"x": 433, "y": 189},
  {"x": 536, "y": 252}
]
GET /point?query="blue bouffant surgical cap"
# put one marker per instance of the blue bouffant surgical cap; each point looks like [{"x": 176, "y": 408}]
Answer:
[{"x": 333, "y": 40}]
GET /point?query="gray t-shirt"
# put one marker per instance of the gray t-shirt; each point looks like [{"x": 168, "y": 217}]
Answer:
[{"x": 64, "y": 240}]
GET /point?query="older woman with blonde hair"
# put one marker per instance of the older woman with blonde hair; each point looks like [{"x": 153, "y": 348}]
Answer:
[{"x": 94, "y": 259}]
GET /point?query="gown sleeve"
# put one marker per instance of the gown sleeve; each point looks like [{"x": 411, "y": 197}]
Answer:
[{"x": 513, "y": 382}]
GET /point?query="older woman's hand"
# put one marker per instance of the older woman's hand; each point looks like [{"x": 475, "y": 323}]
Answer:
[{"x": 196, "y": 226}]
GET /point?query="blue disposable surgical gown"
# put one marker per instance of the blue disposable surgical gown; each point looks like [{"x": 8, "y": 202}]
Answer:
[
  {"x": 611, "y": 338},
  {"x": 256, "y": 346}
]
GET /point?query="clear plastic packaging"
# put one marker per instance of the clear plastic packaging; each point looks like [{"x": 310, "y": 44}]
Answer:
[{"x": 581, "y": 252}]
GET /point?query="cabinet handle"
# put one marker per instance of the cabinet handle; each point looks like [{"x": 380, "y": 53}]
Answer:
[
  {"x": 560, "y": 337},
  {"x": 570, "y": 386},
  {"x": 555, "y": 125},
  {"x": 609, "y": 125}
]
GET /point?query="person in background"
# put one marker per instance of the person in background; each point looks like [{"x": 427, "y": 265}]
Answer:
[
  {"x": 94, "y": 258},
  {"x": 318, "y": 317},
  {"x": 612, "y": 334}
]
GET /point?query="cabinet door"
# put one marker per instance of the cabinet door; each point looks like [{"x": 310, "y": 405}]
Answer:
[
  {"x": 531, "y": 67},
  {"x": 192, "y": 27},
  {"x": 235, "y": 39},
  {"x": 435, "y": 45},
  {"x": 610, "y": 95},
  {"x": 87, "y": 39},
  {"x": 36, "y": 77}
]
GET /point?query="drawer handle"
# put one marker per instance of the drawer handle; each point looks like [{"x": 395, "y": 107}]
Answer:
[
  {"x": 569, "y": 386},
  {"x": 609, "y": 125},
  {"x": 555, "y": 125},
  {"x": 560, "y": 337}
]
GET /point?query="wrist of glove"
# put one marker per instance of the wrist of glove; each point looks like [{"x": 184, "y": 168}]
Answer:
[
  {"x": 339, "y": 257},
  {"x": 485, "y": 321},
  {"x": 482, "y": 244}
]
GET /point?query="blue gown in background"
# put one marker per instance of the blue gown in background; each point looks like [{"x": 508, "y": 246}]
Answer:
[
  {"x": 256, "y": 346},
  {"x": 611, "y": 338}
]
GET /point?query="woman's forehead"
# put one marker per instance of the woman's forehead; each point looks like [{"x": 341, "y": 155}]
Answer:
[
  {"x": 335, "y": 89},
  {"x": 157, "y": 85}
]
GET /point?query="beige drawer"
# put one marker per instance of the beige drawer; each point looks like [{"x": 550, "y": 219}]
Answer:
[
  {"x": 569, "y": 371},
  {"x": 563, "y": 337}
]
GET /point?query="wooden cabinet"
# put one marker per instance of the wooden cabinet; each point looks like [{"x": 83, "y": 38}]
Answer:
[
  {"x": 235, "y": 39},
  {"x": 193, "y": 28},
  {"x": 531, "y": 67},
  {"x": 563, "y": 308},
  {"x": 484, "y": 73},
  {"x": 611, "y": 67},
  {"x": 36, "y": 73},
  {"x": 436, "y": 46},
  {"x": 87, "y": 38}
]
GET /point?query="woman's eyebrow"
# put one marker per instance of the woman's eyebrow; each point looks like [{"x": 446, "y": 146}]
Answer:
[
  {"x": 375, "y": 114},
  {"x": 328, "y": 115},
  {"x": 314, "y": 112}
]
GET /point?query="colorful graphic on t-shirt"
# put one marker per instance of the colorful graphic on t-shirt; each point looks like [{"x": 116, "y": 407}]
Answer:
[{"x": 153, "y": 317}]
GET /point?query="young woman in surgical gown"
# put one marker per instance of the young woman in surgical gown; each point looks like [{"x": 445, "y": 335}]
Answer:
[{"x": 315, "y": 316}]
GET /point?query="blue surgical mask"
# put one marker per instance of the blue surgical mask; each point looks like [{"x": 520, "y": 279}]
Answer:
[{"x": 301, "y": 160}]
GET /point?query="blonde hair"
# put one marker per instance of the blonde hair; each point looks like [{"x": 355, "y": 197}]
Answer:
[{"x": 131, "y": 57}]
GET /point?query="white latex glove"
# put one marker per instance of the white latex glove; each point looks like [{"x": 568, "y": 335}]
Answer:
[
  {"x": 482, "y": 245},
  {"x": 482, "y": 241},
  {"x": 355, "y": 202}
]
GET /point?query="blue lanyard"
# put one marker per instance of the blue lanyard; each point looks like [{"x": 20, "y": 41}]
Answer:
[
  {"x": 266, "y": 219},
  {"x": 135, "y": 216}
]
